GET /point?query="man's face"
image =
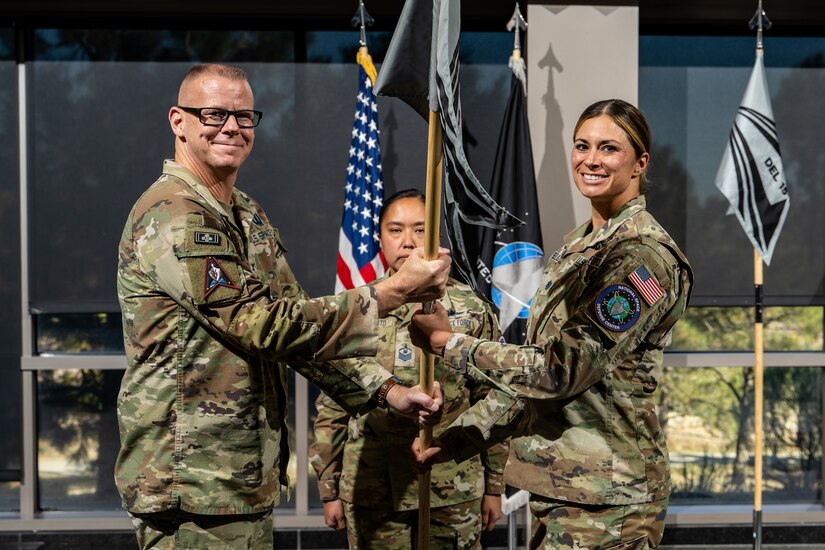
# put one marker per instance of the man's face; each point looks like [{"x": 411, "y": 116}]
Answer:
[{"x": 212, "y": 151}]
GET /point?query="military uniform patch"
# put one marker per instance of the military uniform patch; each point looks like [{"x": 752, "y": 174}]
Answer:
[
  {"x": 215, "y": 276},
  {"x": 202, "y": 237},
  {"x": 405, "y": 353},
  {"x": 647, "y": 285},
  {"x": 618, "y": 307}
]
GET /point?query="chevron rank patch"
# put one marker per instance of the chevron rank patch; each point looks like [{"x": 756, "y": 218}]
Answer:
[
  {"x": 215, "y": 276},
  {"x": 647, "y": 285}
]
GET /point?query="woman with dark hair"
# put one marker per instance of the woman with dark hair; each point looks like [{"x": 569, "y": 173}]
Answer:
[
  {"x": 587, "y": 443},
  {"x": 364, "y": 487}
]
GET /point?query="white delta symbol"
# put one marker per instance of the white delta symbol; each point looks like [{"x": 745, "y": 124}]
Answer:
[{"x": 517, "y": 272}]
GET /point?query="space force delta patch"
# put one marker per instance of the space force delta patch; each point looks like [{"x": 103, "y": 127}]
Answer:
[
  {"x": 215, "y": 276},
  {"x": 618, "y": 307}
]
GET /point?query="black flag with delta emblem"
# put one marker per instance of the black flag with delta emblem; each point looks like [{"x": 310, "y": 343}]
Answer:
[
  {"x": 421, "y": 68},
  {"x": 511, "y": 261}
]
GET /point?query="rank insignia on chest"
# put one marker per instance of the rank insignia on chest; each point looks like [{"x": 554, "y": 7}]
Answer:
[
  {"x": 215, "y": 276},
  {"x": 256, "y": 219},
  {"x": 405, "y": 353},
  {"x": 618, "y": 307},
  {"x": 556, "y": 257},
  {"x": 647, "y": 285}
]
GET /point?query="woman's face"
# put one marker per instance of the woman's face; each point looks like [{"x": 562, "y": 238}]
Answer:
[
  {"x": 605, "y": 167},
  {"x": 402, "y": 230}
]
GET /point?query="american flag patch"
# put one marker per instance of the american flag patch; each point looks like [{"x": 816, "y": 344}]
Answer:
[{"x": 647, "y": 285}]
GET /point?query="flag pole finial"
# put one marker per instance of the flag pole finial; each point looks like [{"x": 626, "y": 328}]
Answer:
[
  {"x": 759, "y": 22},
  {"x": 362, "y": 19},
  {"x": 517, "y": 24}
]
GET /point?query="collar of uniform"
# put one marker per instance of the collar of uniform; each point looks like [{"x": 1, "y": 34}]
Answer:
[
  {"x": 181, "y": 172},
  {"x": 582, "y": 237}
]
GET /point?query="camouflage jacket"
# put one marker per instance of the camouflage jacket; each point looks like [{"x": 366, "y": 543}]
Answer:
[
  {"x": 589, "y": 369},
  {"x": 210, "y": 311},
  {"x": 364, "y": 460}
]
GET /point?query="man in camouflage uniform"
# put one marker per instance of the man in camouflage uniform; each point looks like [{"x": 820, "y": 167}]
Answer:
[
  {"x": 364, "y": 479},
  {"x": 592, "y": 453},
  {"x": 211, "y": 310}
]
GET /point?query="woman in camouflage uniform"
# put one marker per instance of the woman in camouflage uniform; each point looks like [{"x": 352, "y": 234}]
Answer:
[
  {"x": 591, "y": 452},
  {"x": 365, "y": 487}
]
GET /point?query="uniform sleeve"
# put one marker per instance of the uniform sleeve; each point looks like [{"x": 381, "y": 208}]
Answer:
[
  {"x": 486, "y": 425},
  {"x": 569, "y": 358},
  {"x": 351, "y": 383},
  {"x": 494, "y": 458},
  {"x": 195, "y": 264},
  {"x": 327, "y": 453}
]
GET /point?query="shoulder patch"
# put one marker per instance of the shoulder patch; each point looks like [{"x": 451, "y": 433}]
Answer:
[
  {"x": 647, "y": 285},
  {"x": 215, "y": 275},
  {"x": 618, "y": 307}
]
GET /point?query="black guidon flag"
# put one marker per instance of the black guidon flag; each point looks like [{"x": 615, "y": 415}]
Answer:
[
  {"x": 510, "y": 264},
  {"x": 421, "y": 68}
]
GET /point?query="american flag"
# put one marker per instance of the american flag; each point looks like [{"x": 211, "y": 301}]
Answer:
[
  {"x": 647, "y": 285},
  {"x": 359, "y": 256}
]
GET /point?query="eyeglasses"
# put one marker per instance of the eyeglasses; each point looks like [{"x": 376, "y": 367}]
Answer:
[{"x": 211, "y": 116}]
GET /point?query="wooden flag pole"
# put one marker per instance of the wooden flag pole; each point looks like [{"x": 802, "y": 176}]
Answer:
[
  {"x": 758, "y": 391},
  {"x": 432, "y": 224}
]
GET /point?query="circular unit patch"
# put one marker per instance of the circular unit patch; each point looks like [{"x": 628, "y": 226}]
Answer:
[{"x": 618, "y": 307}]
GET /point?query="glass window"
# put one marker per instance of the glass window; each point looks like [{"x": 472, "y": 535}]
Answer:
[
  {"x": 195, "y": 46},
  {"x": 690, "y": 103},
  {"x": 77, "y": 439},
  {"x": 731, "y": 329},
  {"x": 79, "y": 333},
  {"x": 10, "y": 300},
  {"x": 307, "y": 116},
  {"x": 708, "y": 418}
]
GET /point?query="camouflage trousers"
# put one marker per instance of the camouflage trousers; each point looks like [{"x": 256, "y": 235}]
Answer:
[
  {"x": 456, "y": 527},
  {"x": 179, "y": 530},
  {"x": 559, "y": 525}
]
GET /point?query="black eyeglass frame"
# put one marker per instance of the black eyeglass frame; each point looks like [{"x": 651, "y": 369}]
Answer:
[{"x": 198, "y": 112}]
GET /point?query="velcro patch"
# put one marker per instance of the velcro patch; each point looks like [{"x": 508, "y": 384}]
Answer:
[
  {"x": 405, "y": 353},
  {"x": 618, "y": 307},
  {"x": 647, "y": 285},
  {"x": 215, "y": 275},
  {"x": 202, "y": 237}
]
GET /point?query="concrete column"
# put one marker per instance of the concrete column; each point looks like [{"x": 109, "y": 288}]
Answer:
[{"x": 576, "y": 55}]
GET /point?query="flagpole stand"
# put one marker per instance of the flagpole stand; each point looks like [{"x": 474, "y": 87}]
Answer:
[{"x": 432, "y": 221}]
